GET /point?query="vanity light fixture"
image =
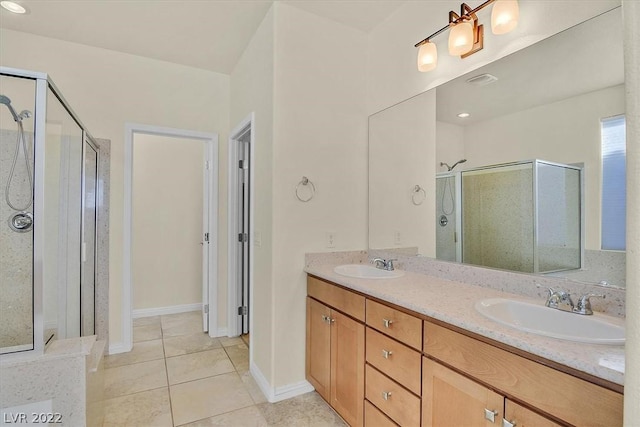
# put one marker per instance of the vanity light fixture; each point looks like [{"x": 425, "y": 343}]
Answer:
[
  {"x": 13, "y": 7},
  {"x": 467, "y": 36}
]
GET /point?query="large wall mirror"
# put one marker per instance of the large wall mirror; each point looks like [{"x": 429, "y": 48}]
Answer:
[{"x": 544, "y": 105}]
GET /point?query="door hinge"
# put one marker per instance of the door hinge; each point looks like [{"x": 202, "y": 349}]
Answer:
[
  {"x": 241, "y": 164},
  {"x": 206, "y": 309},
  {"x": 243, "y": 237},
  {"x": 207, "y": 164},
  {"x": 206, "y": 237},
  {"x": 243, "y": 311}
]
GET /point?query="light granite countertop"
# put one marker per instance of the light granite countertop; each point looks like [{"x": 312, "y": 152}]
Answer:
[{"x": 453, "y": 303}]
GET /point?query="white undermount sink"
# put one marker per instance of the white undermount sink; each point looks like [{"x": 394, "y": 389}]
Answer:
[
  {"x": 363, "y": 271},
  {"x": 541, "y": 320}
]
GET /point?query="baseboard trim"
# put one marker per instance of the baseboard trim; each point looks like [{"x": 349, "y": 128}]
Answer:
[
  {"x": 119, "y": 347},
  {"x": 160, "y": 311},
  {"x": 278, "y": 394},
  {"x": 222, "y": 332}
]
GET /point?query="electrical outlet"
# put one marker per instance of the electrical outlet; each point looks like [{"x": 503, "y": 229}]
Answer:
[
  {"x": 331, "y": 239},
  {"x": 397, "y": 238},
  {"x": 257, "y": 239}
]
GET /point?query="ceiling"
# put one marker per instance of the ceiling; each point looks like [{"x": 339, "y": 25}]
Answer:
[
  {"x": 207, "y": 34},
  {"x": 582, "y": 59}
]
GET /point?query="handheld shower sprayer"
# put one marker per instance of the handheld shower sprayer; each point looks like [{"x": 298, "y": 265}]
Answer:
[
  {"x": 450, "y": 168},
  {"x": 24, "y": 114}
]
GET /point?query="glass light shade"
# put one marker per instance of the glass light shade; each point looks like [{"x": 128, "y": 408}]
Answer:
[
  {"x": 504, "y": 16},
  {"x": 13, "y": 7},
  {"x": 461, "y": 38},
  {"x": 427, "y": 57}
]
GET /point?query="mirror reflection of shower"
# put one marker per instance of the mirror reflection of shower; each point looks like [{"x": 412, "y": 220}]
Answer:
[
  {"x": 448, "y": 217},
  {"x": 20, "y": 221}
]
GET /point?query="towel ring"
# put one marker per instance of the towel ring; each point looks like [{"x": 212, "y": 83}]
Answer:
[
  {"x": 306, "y": 184},
  {"x": 418, "y": 195}
]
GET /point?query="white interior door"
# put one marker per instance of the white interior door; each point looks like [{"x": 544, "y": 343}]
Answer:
[{"x": 205, "y": 245}]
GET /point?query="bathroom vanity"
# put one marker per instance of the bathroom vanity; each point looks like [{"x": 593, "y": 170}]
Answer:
[{"x": 403, "y": 352}]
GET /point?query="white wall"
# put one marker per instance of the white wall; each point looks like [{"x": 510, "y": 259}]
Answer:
[
  {"x": 630, "y": 13},
  {"x": 566, "y": 131},
  {"x": 320, "y": 131},
  {"x": 252, "y": 91},
  {"x": 167, "y": 217},
  {"x": 449, "y": 145},
  {"x": 392, "y": 75},
  {"x": 107, "y": 89}
]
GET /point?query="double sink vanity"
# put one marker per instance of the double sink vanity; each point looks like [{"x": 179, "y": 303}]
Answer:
[{"x": 396, "y": 347}]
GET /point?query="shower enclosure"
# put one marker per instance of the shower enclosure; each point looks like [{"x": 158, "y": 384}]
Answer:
[
  {"x": 524, "y": 216},
  {"x": 48, "y": 215},
  {"x": 448, "y": 217}
]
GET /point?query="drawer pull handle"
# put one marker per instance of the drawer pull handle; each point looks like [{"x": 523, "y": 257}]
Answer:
[
  {"x": 490, "y": 415},
  {"x": 386, "y": 353},
  {"x": 506, "y": 423},
  {"x": 386, "y": 395},
  {"x": 387, "y": 323}
]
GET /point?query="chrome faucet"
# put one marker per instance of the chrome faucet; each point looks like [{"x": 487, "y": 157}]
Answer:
[
  {"x": 561, "y": 300},
  {"x": 383, "y": 264}
]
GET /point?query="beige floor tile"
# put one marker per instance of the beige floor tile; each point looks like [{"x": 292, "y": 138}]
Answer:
[
  {"x": 181, "y": 324},
  {"x": 199, "y": 365},
  {"x": 239, "y": 355},
  {"x": 185, "y": 344},
  {"x": 306, "y": 410},
  {"x": 147, "y": 333},
  {"x": 130, "y": 379},
  {"x": 147, "y": 408},
  {"x": 245, "y": 417},
  {"x": 252, "y": 387},
  {"x": 144, "y": 321},
  {"x": 197, "y": 400},
  {"x": 230, "y": 342},
  {"x": 142, "y": 352}
]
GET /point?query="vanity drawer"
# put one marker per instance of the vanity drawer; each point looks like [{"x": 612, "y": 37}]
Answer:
[
  {"x": 396, "y": 360},
  {"x": 341, "y": 299},
  {"x": 399, "y": 404},
  {"x": 374, "y": 418},
  {"x": 395, "y": 323}
]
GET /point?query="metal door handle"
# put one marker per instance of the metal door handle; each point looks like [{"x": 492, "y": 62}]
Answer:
[
  {"x": 386, "y": 395},
  {"x": 387, "y": 323},
  {"x": 386, "y": 353},
  {"x": 506, "y": 423},
  {"x": 490, "y": 415}
]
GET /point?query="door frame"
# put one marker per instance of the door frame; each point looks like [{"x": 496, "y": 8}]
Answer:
[
  {"x": 232, "y": 293},
  {"x": 211, "y": 140}
]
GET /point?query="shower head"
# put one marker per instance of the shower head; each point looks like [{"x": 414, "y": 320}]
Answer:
[
  {"x": 17, "y": 117},
  {"x": 450, "y": 168}
]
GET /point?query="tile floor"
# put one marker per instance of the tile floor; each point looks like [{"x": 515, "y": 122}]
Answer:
[{"x": 177, "y": 376}]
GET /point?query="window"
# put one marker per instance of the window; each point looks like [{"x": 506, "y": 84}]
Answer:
[{"x": 614, "y": 186}]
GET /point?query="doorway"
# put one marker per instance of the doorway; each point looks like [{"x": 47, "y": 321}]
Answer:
[
  {"x": 170, "y": 225},
  {"x": 241, "y": 149}
]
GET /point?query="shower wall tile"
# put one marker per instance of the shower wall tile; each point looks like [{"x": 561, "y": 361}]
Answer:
[
  {"x": 102, "y": 272},
  {"x": 16, "y": 287}
]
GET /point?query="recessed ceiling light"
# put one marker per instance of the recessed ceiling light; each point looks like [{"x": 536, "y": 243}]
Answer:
[
  {"x": 463, "y": 115},
  {"x": 13, "y": 7}
]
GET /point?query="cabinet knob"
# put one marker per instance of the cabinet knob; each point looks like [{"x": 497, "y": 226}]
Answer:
[
  {"x": 490, "y": 415},
  {"x": 386, "y": 353},
  {"x": 387, "y": 323},
  {"x": 506, "y": 423},
  {"x": 386, "y": 395}
]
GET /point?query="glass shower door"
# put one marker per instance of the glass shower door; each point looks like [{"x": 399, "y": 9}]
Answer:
[{"x": 89, "y": 220}]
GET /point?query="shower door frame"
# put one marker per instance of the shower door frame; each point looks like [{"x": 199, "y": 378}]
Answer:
[{"x": 43, "y": 84}]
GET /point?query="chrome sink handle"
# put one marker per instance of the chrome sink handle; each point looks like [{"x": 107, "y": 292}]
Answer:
[
  {"x": 389, "y": 266},
  {"x": 584, "y": 304},
  {"x": 553, "y": 299},
  {"x": 556, "y": 298}
]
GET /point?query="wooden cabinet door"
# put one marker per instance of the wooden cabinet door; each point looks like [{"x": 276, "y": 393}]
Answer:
[
  {"x": 449, "y": 399},
  {"x": 347, "y": 368},
  {"x": 318, "y": 354},
  {"x": 520, "y": 416}
]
